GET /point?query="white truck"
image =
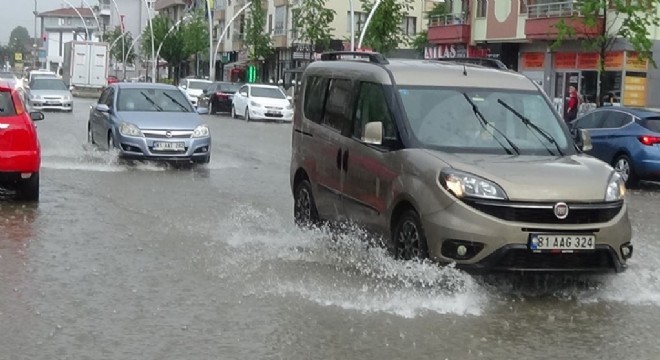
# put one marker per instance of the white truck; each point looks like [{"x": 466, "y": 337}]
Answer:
[{"x": 85, "y": 65}]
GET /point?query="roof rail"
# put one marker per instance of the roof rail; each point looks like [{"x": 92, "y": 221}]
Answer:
[
  {"x": 374, "y": 57},
  {"x": 486, "y": 62}
]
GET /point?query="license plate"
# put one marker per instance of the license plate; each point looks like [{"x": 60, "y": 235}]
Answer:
[
  {"x": 169, "y": 146},
  {"x": 562, "y": 242}
]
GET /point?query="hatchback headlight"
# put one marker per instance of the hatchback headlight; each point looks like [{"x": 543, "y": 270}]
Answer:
[
  {"x": 289, "y": 106},
  {"x": 254, "y": 103},
  {"x": 463, "y": 184},
  {"x": 128, "y": 129},
  {"x": 201, "y": 131},
  {"x": 616, "y": 188}
]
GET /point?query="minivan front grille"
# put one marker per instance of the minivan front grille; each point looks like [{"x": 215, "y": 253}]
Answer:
[{"x": 543, "y": 213}]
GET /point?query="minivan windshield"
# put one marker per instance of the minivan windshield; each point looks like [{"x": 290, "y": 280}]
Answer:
[{"x": 442, "y": 118}]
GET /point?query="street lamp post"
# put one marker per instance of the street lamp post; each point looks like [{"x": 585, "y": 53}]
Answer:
[
  {"x": 34, "y": 46},
  {"x": 153, "y": 47},
  {"x": 123, "y": 41},
  {"x": 98, "y": 24},
  {"x": 224, "y": 31},
  {"x": 350, "y": 4},
  {"x": 366, "y": 23},
  {"x": 130, "y": 48},
  {"x": 80, "y": 16},
  {"x": 211, "y": 54}
]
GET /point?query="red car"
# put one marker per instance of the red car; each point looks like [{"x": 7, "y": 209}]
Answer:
[
  {"x": 112, "y": 79},
  {"x": 20, "y": 152}
]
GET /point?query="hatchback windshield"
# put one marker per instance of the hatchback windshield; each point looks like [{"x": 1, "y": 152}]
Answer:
[
  {"x": 230, "y": 88},
  {"x": 444, "y": 119},
  {"x": 145, "y": 99},
  {"x": 197, "y": 85},
  {"x": 267, "y": 92},
  {"x": 48, "y": 84}
]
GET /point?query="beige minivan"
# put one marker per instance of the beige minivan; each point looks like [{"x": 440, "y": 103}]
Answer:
[{"x": 454, "y": 162}]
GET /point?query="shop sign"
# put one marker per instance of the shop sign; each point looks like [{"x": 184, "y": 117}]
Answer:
[
  {"x": 614, "y": 60},
  {"x": 533, "y": 60},
  {"x": 300, "y": 51},
  {"x": 587, "y": 61},
  {"x": 565, "y": 60},
  {"x": 634, "y": 91},
  {"x": 445, "y": 51},
  {"x": 634, "y": 63}
]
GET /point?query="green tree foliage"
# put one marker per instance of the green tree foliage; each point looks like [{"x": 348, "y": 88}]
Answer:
[
  {"x": 256, "y": 38},
  {"x": 313, "y": 21},
  {"x": 121, "y": 45},
  {"x": 195, "y": 35},
  {"x": 420, "y": 42},
  {"x": 623, "y": 19},
  {"x": 19, "y": 39},
  {"x": 173, "y": 48},
  {"x": 385, "y": 33}
]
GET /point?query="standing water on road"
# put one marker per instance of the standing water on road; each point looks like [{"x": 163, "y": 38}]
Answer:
[{"x": 154, "y": 262}]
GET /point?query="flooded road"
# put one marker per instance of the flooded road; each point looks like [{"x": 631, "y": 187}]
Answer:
[{"x": 149, "y": 262}]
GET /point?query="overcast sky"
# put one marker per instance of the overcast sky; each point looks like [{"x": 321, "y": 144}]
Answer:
[{"x": 19, "y": 12}]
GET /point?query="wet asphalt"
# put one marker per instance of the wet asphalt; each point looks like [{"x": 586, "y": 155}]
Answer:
[{"x": 145, "y": 261}]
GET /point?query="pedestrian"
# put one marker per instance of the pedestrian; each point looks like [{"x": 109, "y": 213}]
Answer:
[{"x": 573, "y": 104}]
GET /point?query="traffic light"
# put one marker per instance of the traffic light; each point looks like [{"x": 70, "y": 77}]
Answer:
[{"x": 251, "y": 74}]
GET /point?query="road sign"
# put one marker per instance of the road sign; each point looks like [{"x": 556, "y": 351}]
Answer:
[{"x": 18, "y": 56}]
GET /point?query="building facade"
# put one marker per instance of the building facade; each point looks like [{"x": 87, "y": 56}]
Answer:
[
  {"x": 60, "y": 26},
  {"x": 521, "y": 33}
]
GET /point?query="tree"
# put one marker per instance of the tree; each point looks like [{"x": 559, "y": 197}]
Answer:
[
  {"x": 256, "y": 38},
  {"x": 632, "y": 21},
  {"x": 385, "y": 32},
  {"x": 195, "y": 35},
  {"x": 420, "y": 42},
  {"x": 19, "y": 39},
  {"x": 313, "y": 20},
  {"x": 121, "y": 46},
  {"x": 173, "y": 49}
]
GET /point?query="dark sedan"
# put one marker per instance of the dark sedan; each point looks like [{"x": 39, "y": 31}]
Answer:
[
  {"x": 626, "y": 138},
  {"x": 218, "y": 96}
]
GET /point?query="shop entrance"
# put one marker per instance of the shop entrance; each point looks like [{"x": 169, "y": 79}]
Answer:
[{"x": 564, "y": 80}]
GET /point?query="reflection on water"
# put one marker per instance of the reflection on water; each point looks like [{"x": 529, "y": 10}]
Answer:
[{"x": 17, "y": 221}]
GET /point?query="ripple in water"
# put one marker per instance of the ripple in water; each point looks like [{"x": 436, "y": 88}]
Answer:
[{"x": 339, "y": 270}]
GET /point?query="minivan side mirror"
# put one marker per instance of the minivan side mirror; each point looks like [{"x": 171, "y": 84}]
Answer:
[
  {"x": 102, "y": 108},
  {"x": 585, "y": 137},
  {"x": 37, "y": 116},
  {"x": 373, "y": 133}
]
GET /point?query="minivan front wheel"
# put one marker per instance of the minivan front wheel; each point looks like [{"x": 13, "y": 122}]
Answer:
[
  {"x": 305, "y": 213},
  {"x": 409, "y": 237}
]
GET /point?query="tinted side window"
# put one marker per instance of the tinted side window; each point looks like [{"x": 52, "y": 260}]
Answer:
[
  {"x": 372, "y": 106},
  {"x": 615, "y": 119},
  {"x": 591, "y": 121},
  {"x": 243, "y": 89},
  {"x": 6, "y": 104},
  {"x": 111, "y": 97},
  {"x": 339, "y": 106},
  {"x": 315, "y": 93},
  {"x": 651, "y": 123}
]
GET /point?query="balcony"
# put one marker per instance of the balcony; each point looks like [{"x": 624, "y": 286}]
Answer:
[
  {"x": 279, "y": 3},
  {"x": 105, "y": 10},
  {"x": 449, "y": 29},
  {"x": 279, "y": 37},
  {"x": 542, "y": 20},
  {"x": 164, "y": 4}
]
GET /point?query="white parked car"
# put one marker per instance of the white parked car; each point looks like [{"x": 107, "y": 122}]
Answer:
[
  {"x": 262, "y": 102},
  {"x": 193, "y": 88}
]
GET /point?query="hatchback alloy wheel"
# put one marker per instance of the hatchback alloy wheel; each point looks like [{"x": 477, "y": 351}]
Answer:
[{"x": 623, "y": 167}]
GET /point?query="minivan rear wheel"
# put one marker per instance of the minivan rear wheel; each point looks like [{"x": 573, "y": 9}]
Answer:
[
  {"x": 409, "y": 237},
  {"x": 305, "y": 213}
]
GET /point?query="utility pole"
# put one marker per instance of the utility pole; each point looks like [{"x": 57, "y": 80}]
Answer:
[{"x": 35, "y": 46}]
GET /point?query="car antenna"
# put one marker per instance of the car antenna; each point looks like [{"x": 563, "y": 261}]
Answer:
[{"x": 464, "y": 70}]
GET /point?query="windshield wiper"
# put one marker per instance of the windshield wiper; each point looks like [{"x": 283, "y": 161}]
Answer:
[
  {"x": 531, "y": 125},
  {"x": 151, "y": 101},
  {"x": 485, "y": 124},
  {"x": 185, "y": 109}
]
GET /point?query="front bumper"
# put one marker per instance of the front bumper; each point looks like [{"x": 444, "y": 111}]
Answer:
[
  {"x": 500, "y": 245},
  {"x": 63, "y": 105},
  {"x": 260, "y": 113},
  {"x": 142, "y": 148}
]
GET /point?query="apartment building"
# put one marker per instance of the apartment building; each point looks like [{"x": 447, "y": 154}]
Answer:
[
  {"x": 290, "y": 53},
  {"x": 521, "y": 32}
]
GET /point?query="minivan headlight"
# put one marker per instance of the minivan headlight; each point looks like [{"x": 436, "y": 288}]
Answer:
[
  {"x": 463, "y": 184},
  {"x": 201, "y": 131},
  {"x": 129, "y": 129},
  {"x": 616, "y": 188}
]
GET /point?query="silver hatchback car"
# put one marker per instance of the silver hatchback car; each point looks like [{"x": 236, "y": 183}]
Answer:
[
  {"x": 458, "y": 163},
  {"x": 150, "y": 122}
]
